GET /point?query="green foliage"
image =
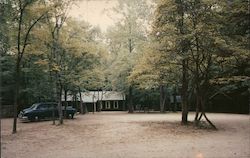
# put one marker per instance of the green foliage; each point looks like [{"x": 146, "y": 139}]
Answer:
[
  {"x": 127, "y": 40},
  {"x": 7, "y": 78},
  {"x": 233, "y": 70},
  {"x": 212, "y": 36},
  {"x": 75, "y": 53},
  {"x": 208, "y": 35},
  {"x": 5, "y": 18}
]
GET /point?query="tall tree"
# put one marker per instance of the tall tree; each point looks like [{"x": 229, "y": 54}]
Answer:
[
  {"x": 6, "y": 59},
  {"x": 57, "y": 58},
  {"x": 125, "y": 39},
  {"x": 154, "y": 71},
  {"x": 233, "y": 65},
  {"x": 170, "y": 30},
  {"x": 28, "y": 14}
]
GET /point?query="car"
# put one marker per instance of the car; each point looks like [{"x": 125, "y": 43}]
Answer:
[{"x": 45, "y": 110}]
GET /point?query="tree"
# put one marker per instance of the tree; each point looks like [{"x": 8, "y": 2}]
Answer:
[
  {"x": 170, "y": 30},
  {"x": 208, "y": 46},
  {"x": 6, "y": 59},
  {"x": 233, "y": 65},
  {"x": 193, "y": 32},
  {"x": 79, "y": 51},
  {"x": 203, "y": 48},
  {"x": 125, "y": 40},
  {"x": 153, "y": 71},
  {"x": 87, "y": 59},
  {"x": 57, "y": 58},
  {"x": 26, "y": 18}
]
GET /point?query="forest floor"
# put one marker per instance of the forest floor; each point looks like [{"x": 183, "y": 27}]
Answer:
[{"x": 123, "y": 135}]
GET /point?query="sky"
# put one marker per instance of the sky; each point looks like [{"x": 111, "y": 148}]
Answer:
[{"x": 94, "y": 11}]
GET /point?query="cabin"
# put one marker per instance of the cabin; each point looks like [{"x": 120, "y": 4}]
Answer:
[{"x": 97, "y": 101}]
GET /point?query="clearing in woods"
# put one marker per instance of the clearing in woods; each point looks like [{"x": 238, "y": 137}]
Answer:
[{"x": 123, "y": 135}]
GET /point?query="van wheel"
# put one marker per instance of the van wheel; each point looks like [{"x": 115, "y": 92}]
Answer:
[
  {"x": 71, "y": 116},
  {"x": 32, "y": 119},
  {"x": 37, "y": 118}
]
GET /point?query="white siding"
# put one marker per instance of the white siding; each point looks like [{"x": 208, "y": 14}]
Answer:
[{"x": 92, "y": 96}]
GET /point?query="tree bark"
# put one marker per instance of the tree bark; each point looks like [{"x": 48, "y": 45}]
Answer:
[
  {"x": 53, "y": 115},
  {"x": 124, "y": 103},
  {"x": 66, "y": 103},
  {"x": 184, "y": 119},
  {"x": 81, "y": 102},
  {"x": 200, "y": 117},
  {"x": 59, "y": 96},
  {"x": 204, "y": 114},
  {"x": 162, "y": 99},
  {"x": 16, "y": 99},
  {"x": 197, "y": 111},
  {"x": 101, "y": 106},
  {"x": 180, "y": 10},
  {"x": 249, "y": 99},
  {"x": 94, "y": 104},
  {"x": 130, "y": 104},
  {"x": 20, "y": 52},
  {"x": 175, "y": 101},
  {"x": 85, "y": 109},
  {"x": 98, "y": 102},
  {"x": 17, "y": 70}
]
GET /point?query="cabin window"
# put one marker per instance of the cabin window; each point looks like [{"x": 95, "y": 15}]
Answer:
[
  {"x": 116, "y": 105},
  {"x": 107, "y": 105}
]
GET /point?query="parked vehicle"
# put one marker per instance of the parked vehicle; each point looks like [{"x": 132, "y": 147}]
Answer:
[{"x": 45, "y": 110}]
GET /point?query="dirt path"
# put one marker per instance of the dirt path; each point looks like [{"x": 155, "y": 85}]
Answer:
[{"x": 122, "y": 135}]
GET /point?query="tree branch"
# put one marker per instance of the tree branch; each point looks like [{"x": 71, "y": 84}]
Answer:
[{"x": 28, "y": 33}]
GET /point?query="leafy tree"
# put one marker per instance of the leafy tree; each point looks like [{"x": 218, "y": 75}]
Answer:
[
  {"x": 87, "y": 57},
  {"x": 28, "y": 14},
  {"x": 153, "y": 71},
  {"x": 125, "y": 40},
  {"x": 233, "y": 65},
  {"x": 170, "y": 29},
  {"x": 6, "y": 59},
  {"x": 195, "y": 35},
  {"x": 55, "y": 21}
]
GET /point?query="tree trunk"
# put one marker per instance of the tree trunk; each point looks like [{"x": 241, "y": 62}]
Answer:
[
  {"x": 66, "y": 103},
  {"x": 166, "y": 101},
  {"x": 180, "y": 11},
  {"x": 124, "y": 103},
  {"x": 17, "y": 77},
  {"x": 20, "y": 52},
  {"x": 130, "y": 104},
  {"x": 94, "y": 107},
  {"x": 81, "y": 102},
  {"x": 101, "y": 106},
  {"x": 197, "y": 109},
  {"x": 53, "y": 115},
  {"x": 16, "y": 99},
  {"x": 60, "y": 112},
  {"x": 94, "y": 104},
  {"x": 249, "y": 99},
  {"x": 175, "y": 101},
  {"x": 162, "y": 99},
  {"x": 204, "y": 114},
  {"x": 184, "y": 92},
  {"x": 85, "y": 109},
  {"x": 98, "y": 102},
  {"x": 75, "y": 100}
]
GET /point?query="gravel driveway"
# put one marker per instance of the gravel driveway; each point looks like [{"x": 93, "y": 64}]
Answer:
[{"x": 123, "y": 135}]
